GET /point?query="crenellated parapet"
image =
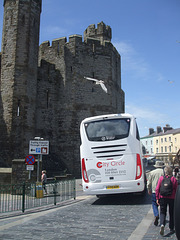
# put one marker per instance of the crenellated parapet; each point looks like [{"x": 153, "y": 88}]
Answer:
[
  {"x": 76, "y": 39},
  {"x": 56, "y": 43},
  {"x": 56, "y": 49},
  {"x": 102, "y": 32},
  {"x": 37, "y": 2}
]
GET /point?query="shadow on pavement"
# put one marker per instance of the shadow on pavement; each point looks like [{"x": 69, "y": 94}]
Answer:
[
  {"x": 169, "y": 234},
  {"x": 124, "y": 199}
]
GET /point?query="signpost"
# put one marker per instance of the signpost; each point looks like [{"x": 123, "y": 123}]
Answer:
[
  {"x": 30, "y": 160},
  {"x": 40, "y": 147}
]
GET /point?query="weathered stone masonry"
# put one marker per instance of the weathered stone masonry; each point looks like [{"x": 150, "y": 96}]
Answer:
[{"x": 52, "y": 96}]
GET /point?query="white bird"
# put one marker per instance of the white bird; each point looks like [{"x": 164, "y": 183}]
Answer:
[
  {"x": 101, "y": 82},
  {"x": 170, "y": 81}
]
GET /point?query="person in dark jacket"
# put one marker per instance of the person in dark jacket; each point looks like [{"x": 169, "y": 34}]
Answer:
[
  {"x": 151, "y": 187},
  {"x": 163, "y": 201}
]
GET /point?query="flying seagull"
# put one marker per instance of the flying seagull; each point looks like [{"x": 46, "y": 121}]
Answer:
[
  {"x": 170, "y": 81},
  {"x": 101, "y": 82}
]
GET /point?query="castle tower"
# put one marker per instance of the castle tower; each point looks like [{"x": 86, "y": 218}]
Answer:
[
  {"x": 102, "y": 32},
  {"x": 19, "y": 58}
]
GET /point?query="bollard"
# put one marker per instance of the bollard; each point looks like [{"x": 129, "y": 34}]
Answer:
[
  {"x": 39, "y": 190},
  {"x": 23, "y": 197},
  {"x": 55, "y": 192},
  {"x": 74, "y": 190},
  {"x": 177, "y": 212}
]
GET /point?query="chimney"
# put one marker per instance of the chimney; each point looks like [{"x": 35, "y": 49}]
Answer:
[
  {"x": 159, "y": 129},
  {"x": 151, "y": 131},
  {"x": 166, "y": 128}
]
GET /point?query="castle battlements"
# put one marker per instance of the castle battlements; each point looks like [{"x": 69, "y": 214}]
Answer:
[
  {"x": 102, "y": 32},
  {"x": 39, "y": 2},
  {"x": 55, "y": 43},
  {"x": 77, "y": 40},
  {"x": 92, "y": 35}
]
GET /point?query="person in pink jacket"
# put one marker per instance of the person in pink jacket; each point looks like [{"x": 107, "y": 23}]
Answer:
[{"x": 163, "y": 201}]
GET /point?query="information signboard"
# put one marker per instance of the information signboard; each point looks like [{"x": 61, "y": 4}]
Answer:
[
  {"x": 30, "y": 167},
  {"x": 38, "y": 147}
]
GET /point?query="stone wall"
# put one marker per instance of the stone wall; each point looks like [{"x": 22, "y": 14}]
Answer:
[
  {"x": 68, "y": 97},
  {"x": 21, "y": 175},
  {"x": 5, "y": 175},
  {"x": 46, "y": 95},
  {"x": 19, "y": 59}
]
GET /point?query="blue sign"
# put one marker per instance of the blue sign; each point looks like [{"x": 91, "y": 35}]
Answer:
[
  {"x": 38, "y": 150},
  {"x": 30, "y": 160}
]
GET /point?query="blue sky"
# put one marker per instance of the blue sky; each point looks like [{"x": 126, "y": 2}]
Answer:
[{"x": 146, "y": 33}]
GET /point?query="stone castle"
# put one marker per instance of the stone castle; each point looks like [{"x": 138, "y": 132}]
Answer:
[{"x": 43, "y": 89}]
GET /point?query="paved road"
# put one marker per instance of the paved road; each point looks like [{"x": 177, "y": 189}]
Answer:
[{"x": 124, "y": 217}]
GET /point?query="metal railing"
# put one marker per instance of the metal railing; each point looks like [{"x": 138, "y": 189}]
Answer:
[{"x": 19, "y": 197}]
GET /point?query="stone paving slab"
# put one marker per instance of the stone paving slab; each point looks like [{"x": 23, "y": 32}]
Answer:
[
  {"x": 127, "y": 217},
  {"x": 89, "y": 219}
]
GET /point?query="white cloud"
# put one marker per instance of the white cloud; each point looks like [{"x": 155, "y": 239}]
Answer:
[
  {"x": 124, "y": 49},
  {"x": 133, "y": 63},
  {"x": 147, "y": 118},
  {"x": 131, "y": 60},
  {"x": 149, "y": 115}
]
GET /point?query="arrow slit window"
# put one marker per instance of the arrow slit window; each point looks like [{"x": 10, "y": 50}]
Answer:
[{"x": 18, "y": 108}]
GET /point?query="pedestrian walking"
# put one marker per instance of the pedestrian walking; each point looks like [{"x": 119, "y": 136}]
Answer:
[
  {"x": 165, "y": 195},
  {"x": 151, "y": 187},
  {"x": 175, "y": 172},
  {"x": 44, "y": 180}
]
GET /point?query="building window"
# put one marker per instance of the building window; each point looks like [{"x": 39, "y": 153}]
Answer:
[
  {"x": 162, "y": 149},
  {"x": 169, "y": 139},
  {"x": 151, "y": 142},
  {"x": 175, "y": 140},
  {"x": 151, "y": 150},
  {"x": 18, "y": 108},
  {"x": 169, "y": 148},
  {"x": 165, "y": 139},
  {"x": 156, "y": 142},
  {"x": 146, "y": 142},
  {"x": 156, "y": 150},
  {"x": 161, "y": 140},
  {"x": 165, "y": 148}
]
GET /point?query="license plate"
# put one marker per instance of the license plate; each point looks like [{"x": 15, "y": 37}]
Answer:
[{"x": 112, "y": 187}]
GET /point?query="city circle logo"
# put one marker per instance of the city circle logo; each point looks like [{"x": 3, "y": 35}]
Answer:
[{"x": 99, "y": 165}]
